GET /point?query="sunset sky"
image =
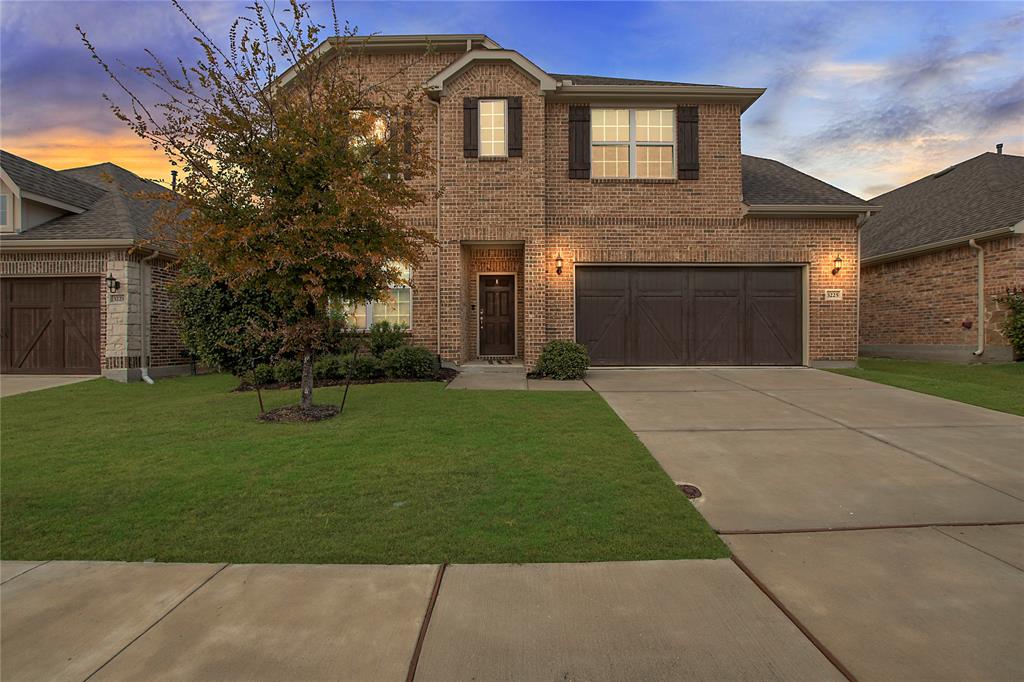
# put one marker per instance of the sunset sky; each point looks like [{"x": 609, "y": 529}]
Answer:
[{"x": 867, "y": 96}]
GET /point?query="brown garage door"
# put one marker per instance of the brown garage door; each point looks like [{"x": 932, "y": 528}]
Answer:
[
  {"x": 50, "y": 326},
  {"x": 663, "y": 315}
]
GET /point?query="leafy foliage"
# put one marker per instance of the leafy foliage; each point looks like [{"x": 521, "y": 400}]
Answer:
[
  {"x": 563, "y": 360},
  {"x": 225, "y": 328},
  {"x": 263, "y": 373},
  {"x": 409, "y": 362},
  {"x": 330, "y": 367},
  {"x": 294, "y": 168},
  {"x": 363, "y": 367},
  {"x": 1013, "y": 326},
  {"x": 286, "y": 371},
  {"x": 385, "y": 336}
]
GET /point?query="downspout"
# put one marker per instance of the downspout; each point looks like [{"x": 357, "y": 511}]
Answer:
[
  {"x": 145, "y": 318},
  {"x": 437, "y": 222},
  {"x": 981, "y": 296}
]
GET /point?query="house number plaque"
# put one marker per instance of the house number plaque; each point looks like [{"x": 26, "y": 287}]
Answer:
[{"x": 833, "y": 294}]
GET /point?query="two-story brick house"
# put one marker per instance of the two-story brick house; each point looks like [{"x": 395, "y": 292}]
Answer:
[{"x": 619, "y": 213}]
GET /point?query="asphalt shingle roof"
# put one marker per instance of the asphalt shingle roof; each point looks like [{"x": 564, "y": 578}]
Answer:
[
  {"x": 769, "y": 182},
  {"x": 581, "y": 79},
  {"x": 978, "y": 195},
  {"x": 116, "y": 213},
  {"x": 35, "y": 179}
]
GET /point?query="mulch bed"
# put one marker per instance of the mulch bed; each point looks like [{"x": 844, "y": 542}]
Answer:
[
  {"x": 297, "y": 413},
  {"x": 446, "y": 375}
]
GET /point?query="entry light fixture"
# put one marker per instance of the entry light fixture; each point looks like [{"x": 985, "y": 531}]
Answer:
[
  {"x": 837, "y": 266},
  {"x": 112, "y": 283},
  {"x": 558, "y": 264}
]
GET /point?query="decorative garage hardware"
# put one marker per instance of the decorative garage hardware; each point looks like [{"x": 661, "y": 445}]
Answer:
[
  {"x": 558, "y": 264},
  {"x": 112, "y": 283},
  {"x": 837, "y": 266},
  {"x": 692, "y": 492},
  {"x": 833, "y": 294}
]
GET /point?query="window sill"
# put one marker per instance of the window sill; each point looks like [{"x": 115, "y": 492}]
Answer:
[
  {"x": 492, "y": 159},
  {"x": 634, "y": 181}
]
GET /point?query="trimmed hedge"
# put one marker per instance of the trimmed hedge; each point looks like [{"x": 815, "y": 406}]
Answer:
[
  {"x": 287, "y": 370},
  {"x": 409, "y": 362},
  {"x": 563, "y": 360},
  {"x": 385, "y": 336}
]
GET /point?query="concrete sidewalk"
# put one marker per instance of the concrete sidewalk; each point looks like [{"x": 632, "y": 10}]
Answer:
[
  {"x": 658, "y": 620},
  {"x": 15, "y": 384}
]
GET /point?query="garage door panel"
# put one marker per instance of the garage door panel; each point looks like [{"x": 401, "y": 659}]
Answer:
[
  {"x": 676, "y": 315},
  {"x": 50, "y": 325},
  {"x": 716, "y": 331}
]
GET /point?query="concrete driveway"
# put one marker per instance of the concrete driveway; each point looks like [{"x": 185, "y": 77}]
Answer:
[
  {"x": 13, "y": 384},
  {"x": 886, "y": 523}
]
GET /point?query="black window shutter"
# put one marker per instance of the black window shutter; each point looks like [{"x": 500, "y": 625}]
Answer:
[
  {"x": 579, "y": 141},
  {"x": 470, "y": 128},
  {"x": 515, "y": 126},
  {"x": 686, "y": 133}
]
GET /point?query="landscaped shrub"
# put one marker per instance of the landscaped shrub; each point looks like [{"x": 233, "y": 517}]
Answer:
[
  {"x": 409, "y": 362},
  {"x": 287, "y": 370},
  {"x": 363, "y": 367},
  {"x": 329, "y": 367},
  {"x": 384, "y": 336},
  {"x": 1013, "y": 326},
  {"x": 263, "y": 374},
  {"x": 563, "y": 360}
]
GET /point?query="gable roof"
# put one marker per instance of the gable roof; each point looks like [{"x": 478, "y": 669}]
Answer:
[
  {"x": 45, "y": 183},
  {"x": 977, "y": 196},
  {"x": 116, "y": 214},
  {"x": 580, "y": 79},
  {"x": 770, "y": 184}
]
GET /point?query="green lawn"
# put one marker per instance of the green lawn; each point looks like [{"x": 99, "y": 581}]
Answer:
[
  {"x": 997, "y": 387},
  {"x": 182, "y": 471}
]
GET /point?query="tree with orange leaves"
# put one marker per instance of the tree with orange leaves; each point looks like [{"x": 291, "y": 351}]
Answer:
[{"x": 294, "y": 171}]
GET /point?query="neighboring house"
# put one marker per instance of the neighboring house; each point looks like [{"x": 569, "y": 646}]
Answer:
[
  {"x": 76, "y": 297},
  {"x": 935, "y": 257},
  {"x": 617, "y": 212}
]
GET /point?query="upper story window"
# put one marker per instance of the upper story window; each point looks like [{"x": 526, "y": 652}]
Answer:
[
  {"x": 6, "y": 218},
  {"x": 632, "y": 143},
  {"x": 493, "y": 128}
]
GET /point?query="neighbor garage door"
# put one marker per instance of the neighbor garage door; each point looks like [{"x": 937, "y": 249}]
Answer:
[
  {"x": 662, "y": 315},
  {"x": 50, "y": 325}
]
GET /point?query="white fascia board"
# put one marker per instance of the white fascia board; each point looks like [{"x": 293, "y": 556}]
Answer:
[{"x": 435, "y": 86}]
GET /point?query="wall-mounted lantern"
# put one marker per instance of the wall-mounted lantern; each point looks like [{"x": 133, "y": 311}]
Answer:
[
  {"x": 837, "y": 266},
  {"x": 558, "y": 264},
  {"x": 112, "y": 283}
]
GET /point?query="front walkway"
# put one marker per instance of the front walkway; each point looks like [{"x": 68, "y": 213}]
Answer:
[
  {"x": 657, "y": 620},
  {"x": 886, "y": 523}
]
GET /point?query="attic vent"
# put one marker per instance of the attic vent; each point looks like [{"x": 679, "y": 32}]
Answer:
[{"x": 943, "y": 172}]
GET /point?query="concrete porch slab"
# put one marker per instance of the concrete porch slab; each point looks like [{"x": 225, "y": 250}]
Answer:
[
  {"x": 741, "y": 409},
  {"x": 679, "y": 379},
  {"x": 554, "y": 385},
  {"x": 654, "y": 620},
  {"x": 991, "y": 454},
  {"x": 302, "y": 622},
  {"x": 792, "y": 378},
  {"x": 12, "y": 569},
  {"x": 897, "y": 604},
  {"x": 64, "y": 620},
  {"x": 884, "y": 407},
  {"x": 15, "y": 384},
  {"x": 816, "y": 479},
  {"x": 1002, "y": 542}
]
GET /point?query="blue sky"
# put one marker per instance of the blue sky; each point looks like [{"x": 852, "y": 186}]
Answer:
[{"x": 867, "y": 96}]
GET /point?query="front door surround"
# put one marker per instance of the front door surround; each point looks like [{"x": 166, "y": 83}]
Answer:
[{"x": 497, "y": 315}]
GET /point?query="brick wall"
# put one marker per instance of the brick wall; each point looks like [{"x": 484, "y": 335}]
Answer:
[
  {"x": 531, "y": 200},
  {"x": 165, "y": 346},
  {"x": 506, "y": 259},
  {"x": 926, "y": 299}
]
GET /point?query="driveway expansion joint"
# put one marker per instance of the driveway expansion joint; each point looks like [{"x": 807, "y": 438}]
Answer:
[
  {"x": 30, "y": 568},
  {"x": 431, "y": 602}
]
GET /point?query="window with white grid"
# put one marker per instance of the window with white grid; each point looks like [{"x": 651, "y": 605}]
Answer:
[
  {"x": 493, "y": 137},
  {"x": 632, "y": 143}
]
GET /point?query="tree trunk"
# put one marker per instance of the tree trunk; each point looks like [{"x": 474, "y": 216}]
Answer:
[{"x": 307, "y": 377}]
